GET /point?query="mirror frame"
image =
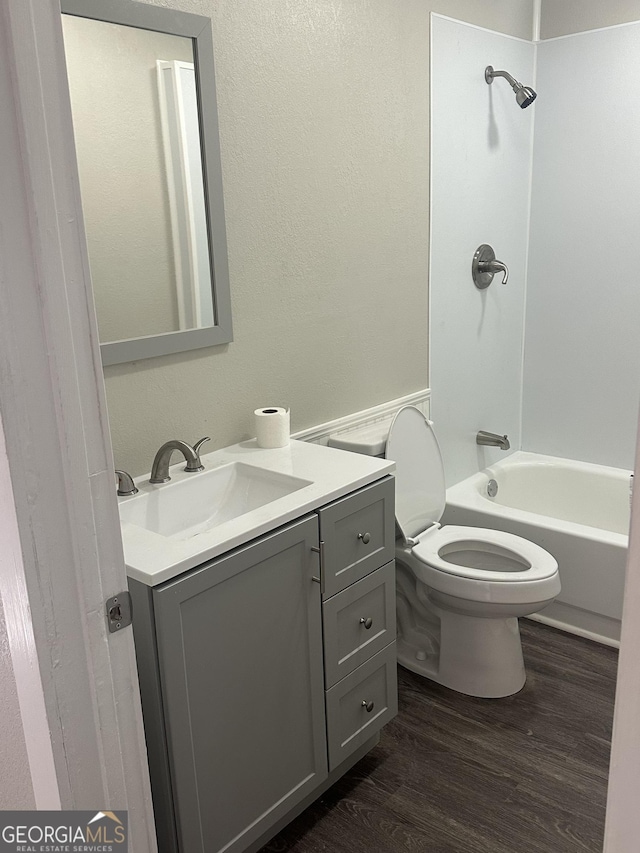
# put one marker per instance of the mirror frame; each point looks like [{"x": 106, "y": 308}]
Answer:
[{"x": 198, "y": 28}]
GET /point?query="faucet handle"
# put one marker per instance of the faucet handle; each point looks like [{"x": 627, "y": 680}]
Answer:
[
  {"x": 485, "y": 266},
  {"x": 126, "y": 486},
  {"x": 196, "y": 464},
  {"x": 199, "y": 444}
]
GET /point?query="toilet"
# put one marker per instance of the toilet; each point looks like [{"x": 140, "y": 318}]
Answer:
[{"x": 460, "y": 590}]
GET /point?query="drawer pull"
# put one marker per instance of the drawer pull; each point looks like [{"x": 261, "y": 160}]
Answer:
[
  {"x": 368, "y": 622},
  {"x": 315, "y": 579},
  {"x": 319, "y": 551},
  {"x": 368, "y": 706},
  {"x": 366, "y": 537}
]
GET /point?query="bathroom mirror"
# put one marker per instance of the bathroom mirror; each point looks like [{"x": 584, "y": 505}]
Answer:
[{"x": 143, "y": 100}]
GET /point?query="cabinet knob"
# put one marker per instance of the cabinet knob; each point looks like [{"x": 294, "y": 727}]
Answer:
[
  {"x": 368, "y": 706},
  {"x": 366, "y": 537},
  {"x": 368, "y": 622}
]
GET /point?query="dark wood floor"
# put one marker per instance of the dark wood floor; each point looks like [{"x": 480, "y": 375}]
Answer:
[{"x": 453, "y": 774}]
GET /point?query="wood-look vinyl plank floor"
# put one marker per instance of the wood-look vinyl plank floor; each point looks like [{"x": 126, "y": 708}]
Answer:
[{"x": 454, "y": 774}]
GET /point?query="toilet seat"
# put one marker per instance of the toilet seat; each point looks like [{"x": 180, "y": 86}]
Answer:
[
  {"x": 533, "y": 590},
  {"x": 420, "y": 502},
  {"x": 429, "y": 551}
]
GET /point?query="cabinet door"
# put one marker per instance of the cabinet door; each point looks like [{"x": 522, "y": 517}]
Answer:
[{"x": 240, "y": 654}]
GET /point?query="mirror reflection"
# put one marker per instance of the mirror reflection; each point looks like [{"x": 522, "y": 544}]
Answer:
[{"x": 135, "y": 113}]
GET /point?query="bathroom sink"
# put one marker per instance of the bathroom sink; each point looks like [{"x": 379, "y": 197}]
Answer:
[
  {"x": 244, "y": 492},
  {"x": 186, "y": 508}
]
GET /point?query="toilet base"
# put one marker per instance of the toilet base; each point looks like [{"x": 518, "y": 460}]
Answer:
[
  {"x": 470, "y": 645},
  {"x": 470, "y": 654},
  {"x": 477, "y": 657}
]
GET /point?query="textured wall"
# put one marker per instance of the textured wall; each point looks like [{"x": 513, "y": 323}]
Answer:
[
  {"x": 582, "y": 348},
  {"x": 324, "y": 133},
  {"x": 482, "y": 147},
  {"x": 561, "y": 17}
]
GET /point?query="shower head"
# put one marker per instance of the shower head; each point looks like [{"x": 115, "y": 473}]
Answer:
[{"x": 524, "y": 94}]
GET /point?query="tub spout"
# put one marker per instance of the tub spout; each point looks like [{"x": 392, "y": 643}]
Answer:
[{"x": 492, "y": 439}]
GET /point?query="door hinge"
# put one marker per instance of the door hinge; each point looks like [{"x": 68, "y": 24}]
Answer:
[{"x": 119, "y": 612}]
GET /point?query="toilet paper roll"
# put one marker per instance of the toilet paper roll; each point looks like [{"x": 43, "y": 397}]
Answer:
[{"x": 272, "y": 426}]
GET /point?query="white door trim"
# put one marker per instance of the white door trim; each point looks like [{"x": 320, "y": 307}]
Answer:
[
  {"x": 33, "y": 726},
  {"x": 52, "y": 405},
  {"x": 622, "y": 828}
]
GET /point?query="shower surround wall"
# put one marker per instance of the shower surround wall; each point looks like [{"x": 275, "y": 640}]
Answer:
[
  {"x": 480, "y": 176},
  {"x": 578, "y": 209},
  {"x": 582, "y": 347}
]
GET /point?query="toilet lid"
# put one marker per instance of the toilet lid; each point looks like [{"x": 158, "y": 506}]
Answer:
[{"x": 420, "y": 486}]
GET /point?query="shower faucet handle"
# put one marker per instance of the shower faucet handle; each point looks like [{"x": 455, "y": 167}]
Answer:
[
  {"x": 485, "y": 266},
  {"x": 495, "y": 266}
]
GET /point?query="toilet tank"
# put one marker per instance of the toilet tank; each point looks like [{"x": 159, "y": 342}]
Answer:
[{"x": 370, "y": 439}]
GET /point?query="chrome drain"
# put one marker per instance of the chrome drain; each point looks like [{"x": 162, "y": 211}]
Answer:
[{"x": 492, "y": 488}]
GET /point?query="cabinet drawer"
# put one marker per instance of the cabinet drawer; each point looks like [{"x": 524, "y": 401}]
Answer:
[
  {"x": 358, "y": 534},
  {"x": 359, "y": 622},
  {"x": 360, "y": 704}
]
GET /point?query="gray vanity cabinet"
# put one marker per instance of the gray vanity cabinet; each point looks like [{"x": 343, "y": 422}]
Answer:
[
  {"x": 239, "y": 650},
  {"x": 267, "y": 672}
]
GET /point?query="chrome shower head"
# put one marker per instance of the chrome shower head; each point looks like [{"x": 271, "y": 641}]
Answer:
[{"x": 525, "y": 95}]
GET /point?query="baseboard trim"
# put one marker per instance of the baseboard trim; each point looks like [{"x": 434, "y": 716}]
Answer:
[
  {"x": 574, "y": 629},
  {"x": 383, "y": 413}
]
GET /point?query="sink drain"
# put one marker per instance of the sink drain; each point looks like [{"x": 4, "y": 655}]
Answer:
[{"x": 492, "y": 488}]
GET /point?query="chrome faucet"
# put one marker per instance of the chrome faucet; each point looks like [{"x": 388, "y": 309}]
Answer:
[
  {"x": 492, "y": 439},
  {"x": 126, "y": 486},
  {"x": 160, "y": 467}
]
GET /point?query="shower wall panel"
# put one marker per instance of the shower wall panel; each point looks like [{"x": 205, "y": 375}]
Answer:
[
  {"x": 582, "y": 342},
  {"x": 480, "y": 178}
]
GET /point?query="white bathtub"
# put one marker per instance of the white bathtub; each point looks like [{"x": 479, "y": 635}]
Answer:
[{"x": 577, "y": 511}]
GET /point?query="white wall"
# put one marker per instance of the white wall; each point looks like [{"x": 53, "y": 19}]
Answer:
[
  {"x": 561, "y": 17},
  {"x": 582, "y": 347},
  {"x": 481, "y": 161}
]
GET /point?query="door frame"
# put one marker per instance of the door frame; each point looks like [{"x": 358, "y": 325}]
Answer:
[
  {"x": 622, "y": 828},
  {"x": 58, "y": 449}
]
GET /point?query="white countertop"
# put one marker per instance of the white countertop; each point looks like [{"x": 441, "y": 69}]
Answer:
[{"x": 153, "y": 559}]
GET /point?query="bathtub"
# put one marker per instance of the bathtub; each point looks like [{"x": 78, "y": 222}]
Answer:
[{"x": 577, "y": 511}]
